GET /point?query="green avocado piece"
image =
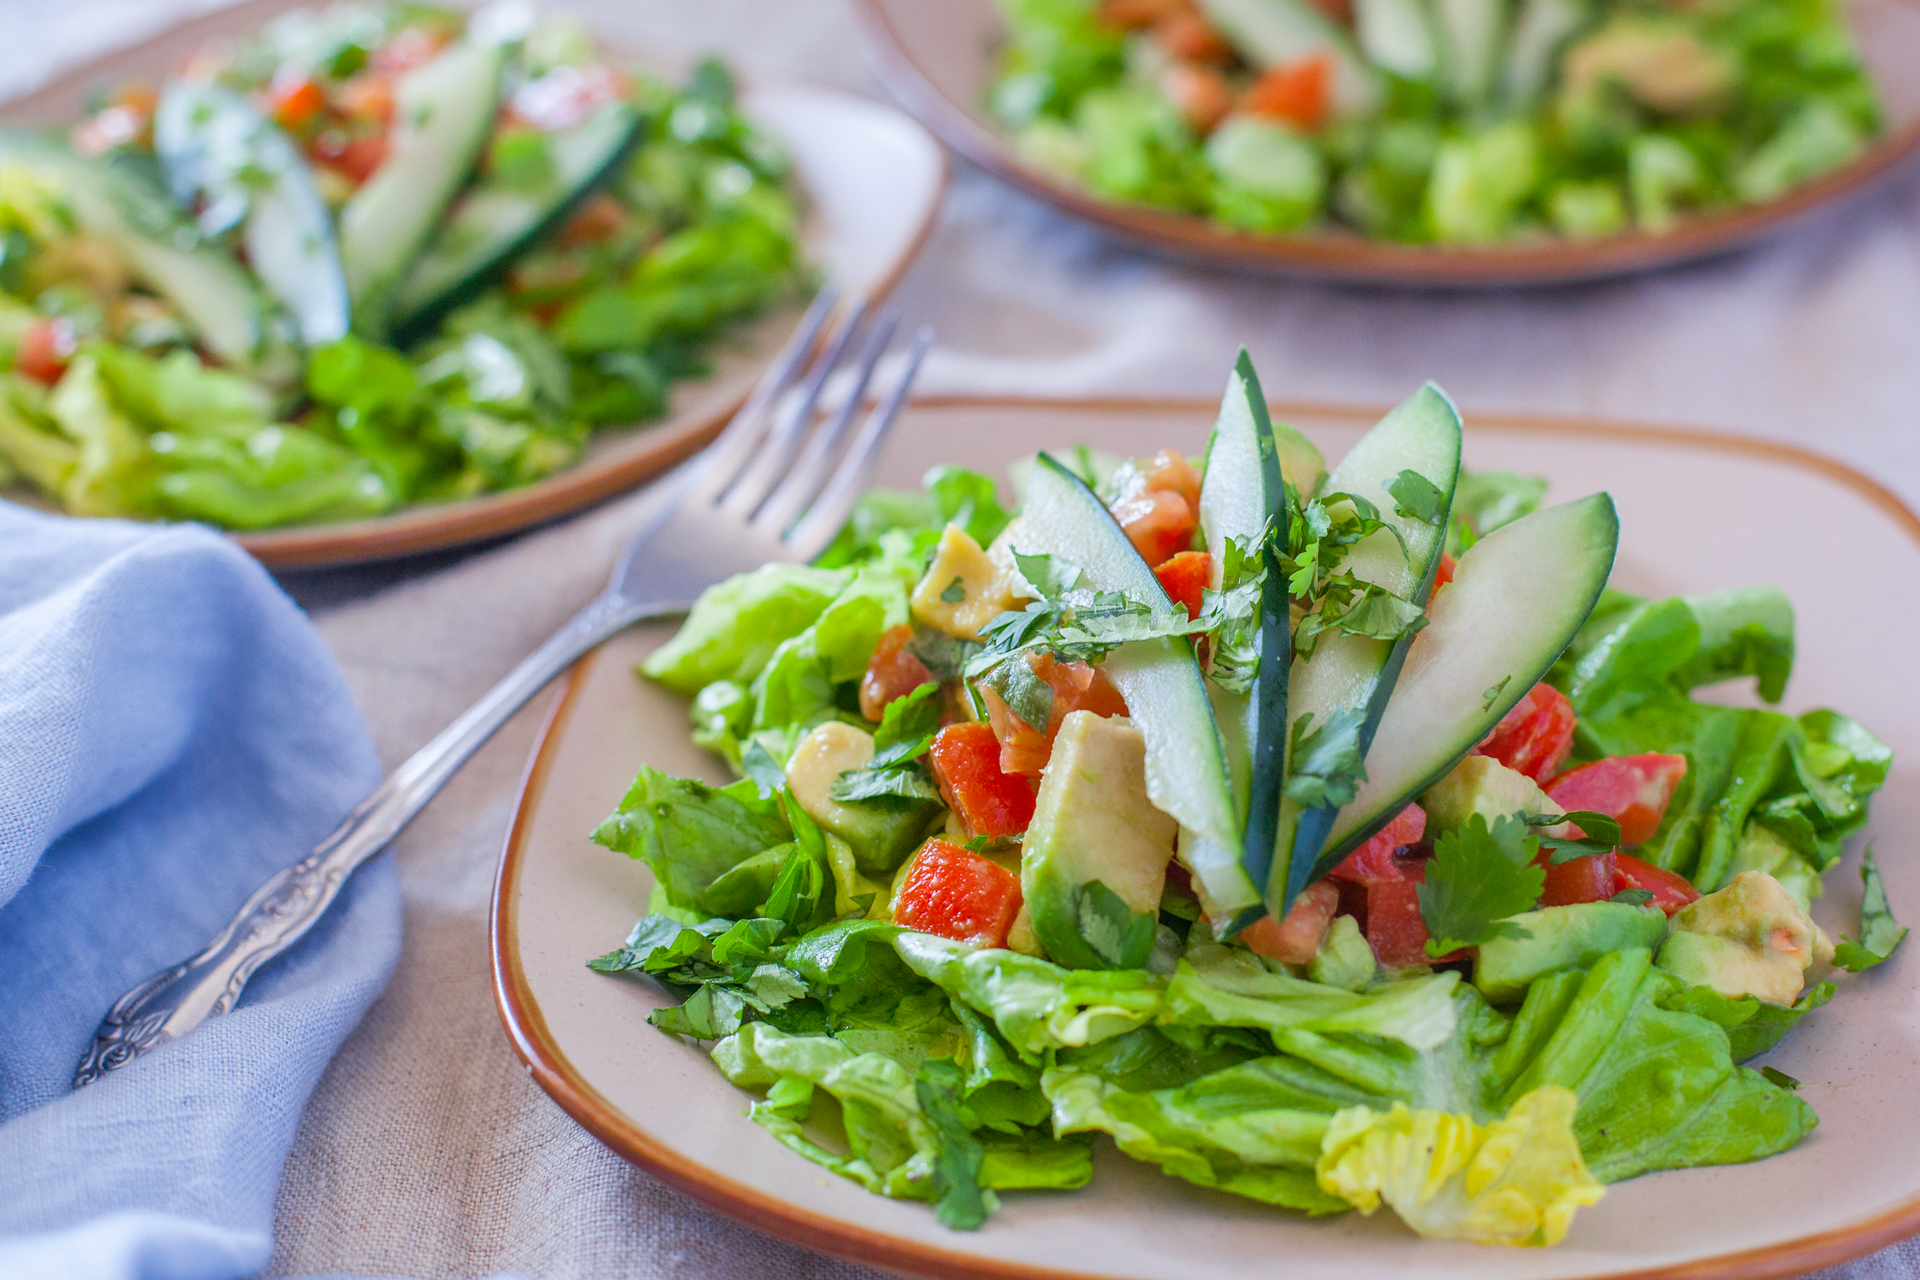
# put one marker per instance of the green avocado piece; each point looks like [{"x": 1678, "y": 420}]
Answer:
[
  {"x": 1561, "y": 936},
  {"x": 881, "y": 835},
  {"x": 1481, "y": 785},
  {"x": 1095, "y": 859}
]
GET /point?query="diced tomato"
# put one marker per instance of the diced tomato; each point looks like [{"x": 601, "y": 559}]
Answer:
[
  {"x": 1296, "y": 939},
  {"x": 958, "y": 894},
  {"x": 1131, "y": 15},
  {"x": 966, "y": 763},
  {"x": 354, "y": 158},
  {"x": 1169, "y": 469},
  {"x": 1159, "y": 523},
  {"x": 1187, "y": 35},
  {"x": 1025, "y": 748},
  {"x": 1184, "y": 577},
  {"x": 1298, "y": 92},
  {"x": 408, "y": 49},
  {"x": 368, "y": 96},
  {"x": 295, "y": 100},
  {"x": 894, "y": 671},
  {"x": 597, "y": 219},
  {"x": 1444, "y": 574},
  {"x": 1670, "y": 890},
  {"x": 1594, "y": 878},
  {"x": 1395, "y": 930},
  {"x": 1632, "y": 790},
  {"x": 1535, "y": 736},
  {"x": 44, "y": 350},
  {"x": 1375, "y": 859}
]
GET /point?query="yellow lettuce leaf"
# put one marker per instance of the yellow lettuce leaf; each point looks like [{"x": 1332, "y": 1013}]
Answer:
[{"x": 1516, "y": 1181}]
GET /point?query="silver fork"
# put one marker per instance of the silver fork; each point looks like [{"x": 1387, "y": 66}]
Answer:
[{"x": 775, "y": 485}]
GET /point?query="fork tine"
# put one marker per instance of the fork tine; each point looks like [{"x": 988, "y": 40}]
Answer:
[
  {"x": 791, "y": 421},
  {"x": 824, "y": 518},
  {"x": 731, "y": 450},
  {"x": 786, "y": 503}
]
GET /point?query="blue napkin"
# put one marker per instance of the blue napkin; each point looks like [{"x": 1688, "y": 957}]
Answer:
[{"x": 172, "y": 731}]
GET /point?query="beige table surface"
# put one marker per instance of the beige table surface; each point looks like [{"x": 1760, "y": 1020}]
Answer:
[{"x": 427, "y": 1151}]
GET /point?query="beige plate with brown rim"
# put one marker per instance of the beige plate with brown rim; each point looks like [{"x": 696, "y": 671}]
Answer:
[
  {"x": 872, "y": 180},
  {"x": 1697, "y": 512},
  {"x": 938, "y": 59}
]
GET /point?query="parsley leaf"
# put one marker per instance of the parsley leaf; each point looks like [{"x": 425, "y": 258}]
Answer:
[
  {"x": 1477, "y": 878},
  {"x": 1879, "y": 932},
  {"x": 1325, "y": 765},
  {"x": 1775, "y": 1075},
  {"x": 955, "y": 592},
  {"x": 1418, "y": 498}
]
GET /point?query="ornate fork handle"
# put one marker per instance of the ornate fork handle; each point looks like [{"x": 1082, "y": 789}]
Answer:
[{"x": 280, "y": 912}]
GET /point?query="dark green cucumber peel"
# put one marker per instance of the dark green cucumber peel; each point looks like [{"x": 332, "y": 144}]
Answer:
[{"x": 462, "y": 261}]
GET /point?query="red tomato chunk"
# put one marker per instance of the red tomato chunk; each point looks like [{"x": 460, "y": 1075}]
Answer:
[
  {"x": 1374, "y": 860},
  {"x": 1594, "y": 878},
  {"x": 1298, "y": 92},
  {"x": 1670, "y": 890},
  {"x": 959, "y": 895},
  {"x": 1184, "y": 577},
  {"x": 1535, "y": 736},
  {"x": 1632, "y": 790},
  {"x": 1296, "y": 939},
  {"x": 893, "y": 672},
  {"x": 1395, "y": 930},
  {"x": 1025, "y": 748},
  {"x": 966, "y": 762}
]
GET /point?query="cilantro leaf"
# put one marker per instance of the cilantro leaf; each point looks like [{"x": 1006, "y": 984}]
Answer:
[
  {"x": 1110, "y": 927},
  {"x": 1051, "y": 576},
  {"x": 1880, "y": 933},
  {"x": 1775, "y": 1075},
  {"x": 1477, "y": 878},
  {"x": 981, "y": 844},
  {"x": 1492, "y": 692},
  {"x": 1025, "y": 694},
  {"x": 960, "y": 1201},
  {"x": 1602, "y": 834},
  {"x": 955, "y": 591},
  {"x": 1633, "y": 897},
  {"x": 907, "y": 728},
  {"x": 910, "y": 784},
  {"x": 1325, "y": 765},
  {"x": 1418, "y": 498}
]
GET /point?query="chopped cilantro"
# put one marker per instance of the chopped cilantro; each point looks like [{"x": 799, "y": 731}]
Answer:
[
  {"x": 1051, "y": 576},
  {"x": 1775, "y": 1075},
  {"x": 1418, "y": 498},
  {"x": 1880, "y": 933},
  {"x": 955, "y": 592},
  {"x": 1477, "y": 878},
  {"x": 894, "y": 774},
  {"x": 960, "y": 1202},
  {"x": 1111, "y": 928},
  {"x": 1492, "y": 692},
  {"x": 1326, "y": 765},
  {"x": 1602, "y": 834},
  {"x": 1633, "y": 897}
]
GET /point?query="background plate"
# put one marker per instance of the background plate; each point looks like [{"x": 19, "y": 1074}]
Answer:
[
  {"x": 872, "y": 181},
  {"x": 1697, "y": 512},
  {"x": 938, "y": 59}
]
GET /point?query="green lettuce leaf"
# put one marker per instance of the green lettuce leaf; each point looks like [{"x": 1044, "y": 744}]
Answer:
[
  {"x": 736, "y": 625},
  {"x": 690, "y": 834},
  {"x": 1879, "y": 932}
]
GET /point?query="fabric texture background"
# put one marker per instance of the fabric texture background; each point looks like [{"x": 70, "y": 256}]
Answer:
[
  {"x": 170, "y": 725},
  {"x": 427, "y": 1151}
]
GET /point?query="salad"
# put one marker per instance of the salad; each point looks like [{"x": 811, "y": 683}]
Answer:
[
  {"x": 373, "y": 255},
  {"x": 1460, "y": 122},
  {"x": 1329, "y": 837}
]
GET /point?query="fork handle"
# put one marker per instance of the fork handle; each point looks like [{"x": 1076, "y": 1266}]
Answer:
[{"x": 281, "y": 911}]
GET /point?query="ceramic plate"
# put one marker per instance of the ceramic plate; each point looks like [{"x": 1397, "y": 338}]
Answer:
[
  {"x": 939, "y": 58},
  {"x": 1697, "y": 512},
  {"x": 872, "y": 180}
]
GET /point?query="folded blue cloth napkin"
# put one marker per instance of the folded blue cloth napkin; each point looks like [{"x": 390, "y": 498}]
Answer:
[{"x": 172, "y": 731}]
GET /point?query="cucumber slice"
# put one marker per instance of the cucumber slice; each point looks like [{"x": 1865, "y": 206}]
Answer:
[
  {"x": 1273, "y": 33},
  {"x": 1517, "y": 599},
  {"x": 214, "y": 146},
  {"x": 134, "y": 214},
  {"x": 1166, "y": 695},
  {"x": 1542, "y": 28},
  {"x": 1471, "y": 32},
  {"x": 1247, "y": 459},
  {"x": 1356, "y": 672},
  {"x": 443, "y": 112},
  {"x": 1400, "y": 36},
  {"x": 493, "y": 224}
]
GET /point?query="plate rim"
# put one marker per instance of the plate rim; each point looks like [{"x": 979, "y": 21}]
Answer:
[
  {"x": 547, "y": 1063},
  {"x": 424, "y": 527},
  {"x": 1357, "y": 258}
]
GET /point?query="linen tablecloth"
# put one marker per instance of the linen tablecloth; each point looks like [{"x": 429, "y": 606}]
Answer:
[{"x": 426, "y": 1150}]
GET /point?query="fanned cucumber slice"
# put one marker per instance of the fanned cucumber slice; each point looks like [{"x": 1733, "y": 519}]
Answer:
[
  {"x": 1400, "y": 35},
  {"x": 1472, "y": 35},
  {"x": 1248, "y": 458},
  {"x": 494, "y": 223},
  {"x": 1273, "y": 33},
  {"x": 215, "y": 146},
  {"x": 1357, "y": 673},
  {"x": 1517, "y": 599},
  {"x": 443, "y": 112},
  {"x": 1540, "y": 30},
  {"x": 166, "y": 253},
  {"x": 1165, "y": 693}
]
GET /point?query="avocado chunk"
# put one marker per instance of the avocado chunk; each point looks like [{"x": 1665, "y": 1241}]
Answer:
[
  {"x": 1561, "y": 936},
  {"x": 1096, "y": 854},
  {"x": 1481, "y": 785},
  {"x": 1344, "y": 959},
  {"x": 1749, "y": 939},
  {"x": 881, "y": 835}
]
